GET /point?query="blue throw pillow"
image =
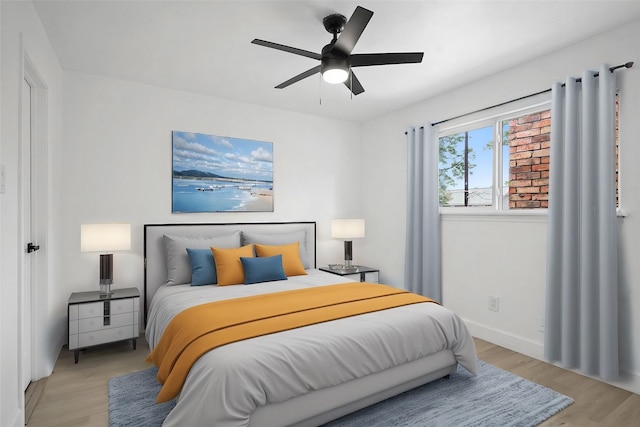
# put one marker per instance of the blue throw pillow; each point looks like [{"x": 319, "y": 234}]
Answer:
[
  {"x": 262, "y": 269},
  {"x": 203, "y": 267}
]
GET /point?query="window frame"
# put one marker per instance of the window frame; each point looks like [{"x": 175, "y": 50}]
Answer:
[
  {"x": 467, "y": 128},
  {"x": 498, "y": 174}
]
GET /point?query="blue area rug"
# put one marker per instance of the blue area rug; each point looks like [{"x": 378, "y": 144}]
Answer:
[{"x": 493, "y": 398}]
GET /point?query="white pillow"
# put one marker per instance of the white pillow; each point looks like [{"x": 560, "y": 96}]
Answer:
[
  {"x": 178, "y": 266},
  {"x": 276, "y": 239}
]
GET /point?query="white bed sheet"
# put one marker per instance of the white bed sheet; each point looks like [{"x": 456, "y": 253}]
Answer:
[{"x": 227, "y": 384}]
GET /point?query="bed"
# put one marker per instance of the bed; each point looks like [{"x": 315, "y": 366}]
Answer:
[{"x": 305, "y": 376}]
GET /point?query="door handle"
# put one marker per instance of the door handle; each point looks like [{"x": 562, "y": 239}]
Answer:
[{"x": 32, "y": 248}]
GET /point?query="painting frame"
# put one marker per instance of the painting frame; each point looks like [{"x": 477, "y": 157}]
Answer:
[{"x": 211, "y": 173}]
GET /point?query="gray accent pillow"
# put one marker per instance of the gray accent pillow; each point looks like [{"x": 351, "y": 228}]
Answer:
[
  {"x": 276, "y": 239},
  {"x": 178, "y": 266}
]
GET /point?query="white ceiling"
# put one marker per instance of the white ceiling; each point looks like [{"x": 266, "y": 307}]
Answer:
[{"x": 204, "y": 46}]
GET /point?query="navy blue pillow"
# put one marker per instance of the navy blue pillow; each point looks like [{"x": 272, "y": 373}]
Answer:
[
  {"x": 262, "y": 269},
  {"x": 203, "y": 267}
]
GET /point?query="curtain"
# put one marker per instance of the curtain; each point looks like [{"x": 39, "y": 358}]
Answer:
[
  {"x": 581, "y": 328},
  {"x": 422, "y": 271}
]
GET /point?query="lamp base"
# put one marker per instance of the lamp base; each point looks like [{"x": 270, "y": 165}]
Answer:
[
  {"x": 105, "y": 290},
  {"x": 106, "y": 274},
  {"x": 348, "y": 253}
]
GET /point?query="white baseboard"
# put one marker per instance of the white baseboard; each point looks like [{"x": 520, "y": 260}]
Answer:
[
  {"x": 627, "y": 381},
  {"x": 512, "y": 342}
]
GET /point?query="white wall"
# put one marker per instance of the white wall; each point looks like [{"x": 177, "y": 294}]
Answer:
[
  {"x": 20, "y": 18},
  {"x": 117, "y": 166},
  {"x": 506, "y": 256}
]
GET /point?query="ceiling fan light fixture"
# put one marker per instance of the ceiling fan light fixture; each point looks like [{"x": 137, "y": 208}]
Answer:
[
  {"x": 335, "y": 75},
  {"x": 334, "y": 70}
]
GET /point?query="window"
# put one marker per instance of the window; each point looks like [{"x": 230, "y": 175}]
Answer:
[
  {"x": 465, "y": 173},
  {"x": 476, "y": 172},
  {"x": 501, "y": 163}
]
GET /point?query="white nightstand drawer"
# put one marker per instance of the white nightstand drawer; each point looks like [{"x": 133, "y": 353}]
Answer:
[
  {"x": 73, "y": 312},
  {"x": 73, "y": 341},
  {"x": 73, "y": 327},
  {"x": 98, "y": 323},
  {"x": 122, "y": 305},
  {"x": 93, "y": 309},
  {"x": 368, "y": 277},
  {"x": 105, "y": 336},
  {"x": 371, "y": 277}
]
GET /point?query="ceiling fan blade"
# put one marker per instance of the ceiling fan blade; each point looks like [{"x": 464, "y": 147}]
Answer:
[
  {"x": 299, "y": 77},
  {"x": 354, "y": 84},
  {"x": 353, "y": 30},
  {"x": 367, "y": 59},
  {"x": 289, "y": 49}
]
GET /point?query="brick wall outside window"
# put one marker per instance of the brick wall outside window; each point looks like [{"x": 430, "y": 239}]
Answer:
[{"x": 529, "y": 138}]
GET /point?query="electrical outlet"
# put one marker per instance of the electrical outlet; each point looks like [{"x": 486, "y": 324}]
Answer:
[{"x": 494, "y": 304}]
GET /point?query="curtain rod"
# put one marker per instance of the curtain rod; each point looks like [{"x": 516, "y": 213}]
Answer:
[{"x": 579, "y": 79}]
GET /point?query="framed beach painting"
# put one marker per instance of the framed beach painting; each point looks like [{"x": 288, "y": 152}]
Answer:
[{"x": 221, "y": 174}]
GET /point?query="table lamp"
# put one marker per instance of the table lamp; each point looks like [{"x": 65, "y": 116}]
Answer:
[
  {"x": 105, "y": 238},
  {"x": 347, "y": 229}
]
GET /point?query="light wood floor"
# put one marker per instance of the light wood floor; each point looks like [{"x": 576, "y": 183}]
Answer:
[{"x": 76, "y": 395}]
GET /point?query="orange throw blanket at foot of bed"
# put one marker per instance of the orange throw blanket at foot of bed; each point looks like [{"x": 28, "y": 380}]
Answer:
[{"x": 196, "y": 330}]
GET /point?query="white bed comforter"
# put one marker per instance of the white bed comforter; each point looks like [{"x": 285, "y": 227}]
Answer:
[{"x": 227, "y": 384}]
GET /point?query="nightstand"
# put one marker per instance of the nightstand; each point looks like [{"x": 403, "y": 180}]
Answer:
[
  {"x": 98, "y": 319},
  {"x": 360, "y": 272}
]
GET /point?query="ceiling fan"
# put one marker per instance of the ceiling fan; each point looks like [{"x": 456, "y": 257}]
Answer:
[{"x": 336, "y": 59}]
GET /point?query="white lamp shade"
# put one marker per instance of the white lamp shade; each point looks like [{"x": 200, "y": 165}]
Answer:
[
  {"x": 105, "y": 237},
  {"x": 347, "y": 228}
]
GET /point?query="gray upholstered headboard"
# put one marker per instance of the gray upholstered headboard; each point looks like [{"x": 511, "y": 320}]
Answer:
[{"x": 155, "y": 266}]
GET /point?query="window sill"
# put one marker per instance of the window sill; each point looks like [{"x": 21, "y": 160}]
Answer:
[
  {"x": 521, "y": 215},
  {"x": 536, "y": 215}
]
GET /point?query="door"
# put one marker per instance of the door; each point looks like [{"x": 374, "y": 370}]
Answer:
[
  {"x": 33, "y": 214},
  {"x": 27, "y": 265}
]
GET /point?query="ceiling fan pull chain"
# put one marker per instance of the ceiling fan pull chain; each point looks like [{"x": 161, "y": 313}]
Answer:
[{"x": 351, "y": 83}]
